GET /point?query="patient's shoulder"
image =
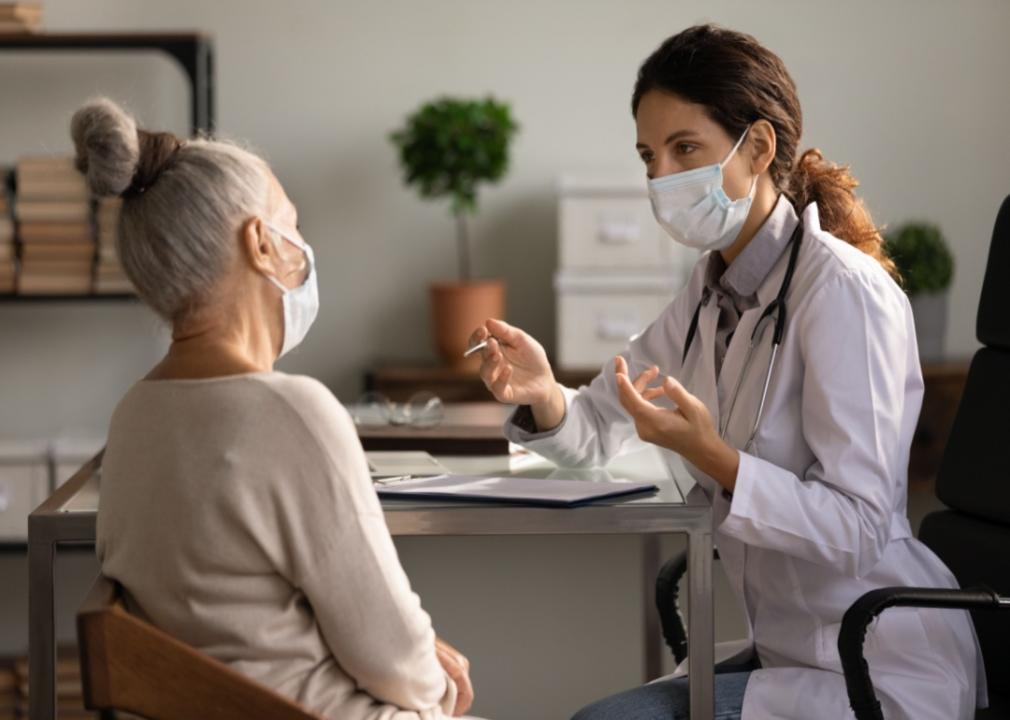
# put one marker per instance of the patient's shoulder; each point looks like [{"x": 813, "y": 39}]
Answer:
[{"x": 311, "y": 400}]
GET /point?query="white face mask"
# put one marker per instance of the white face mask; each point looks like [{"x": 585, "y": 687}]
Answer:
[
  {"x": 694, "y": 209},
  {"x": 301, "y": 304}
]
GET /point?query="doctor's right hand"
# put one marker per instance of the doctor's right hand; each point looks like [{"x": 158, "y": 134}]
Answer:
[{"x": 516, "y": 371}]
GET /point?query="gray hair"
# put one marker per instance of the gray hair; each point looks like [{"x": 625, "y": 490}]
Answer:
[{"x": 183, "y": 202}]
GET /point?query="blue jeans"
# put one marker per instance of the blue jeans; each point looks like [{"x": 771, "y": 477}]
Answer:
[{"x": 668, "y": 700}]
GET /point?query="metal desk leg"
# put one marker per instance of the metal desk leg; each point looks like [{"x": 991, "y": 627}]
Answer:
[
  {"x": 700, "y": 633},
  {"x": 41, "y": 631},
  {"x": 652, "y": 561}
]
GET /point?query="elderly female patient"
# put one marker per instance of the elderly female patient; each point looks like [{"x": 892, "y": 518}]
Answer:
[{"x": 237, "y": 509}]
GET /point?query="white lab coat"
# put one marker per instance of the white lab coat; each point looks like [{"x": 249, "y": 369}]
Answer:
[{"x": 818, "y": 516}]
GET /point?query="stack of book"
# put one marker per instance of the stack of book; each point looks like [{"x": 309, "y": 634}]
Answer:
[
  {"x": 53, "y": 209},
  {"x": 20, "y": 17},
  {"x": 7, "y": 255},
  {"x": 109, "y": 276},
  {"x": 69, "y": 692}
]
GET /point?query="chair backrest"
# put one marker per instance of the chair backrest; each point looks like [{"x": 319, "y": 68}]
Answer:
[
  {"x": 129, "y": 665},
  {"x": 974, "y": 474},
  {"x": 973, "y": 537}
]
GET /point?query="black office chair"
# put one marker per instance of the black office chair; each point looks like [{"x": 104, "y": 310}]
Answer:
[{"x": 973, "y": 536}]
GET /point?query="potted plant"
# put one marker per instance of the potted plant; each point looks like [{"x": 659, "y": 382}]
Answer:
[
  {"x": 927, "y": 268},
  {"x": 448, "y": 148}
]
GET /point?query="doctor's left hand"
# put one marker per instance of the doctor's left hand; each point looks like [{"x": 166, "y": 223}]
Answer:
[{"x": 688, "y": 430}]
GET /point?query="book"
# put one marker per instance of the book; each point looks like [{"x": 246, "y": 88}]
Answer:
[
  {"x": 57, "y": 251},
  {"x": 107, "y": 255},
  {"x": 112, "y": 272},
  {"x": 44, "y": 166},
  {"x": 67, "y": 665},
  {"x": 27, "y": 12},
  {"x": 70, "y": 187},
  {"x": 62, "y": 232},
  {"x": 53, "y": 211},
  {"x": 29, "y": 284},
  {"x": 17, "y": 28},
  {"x": 57, "y": 267}
]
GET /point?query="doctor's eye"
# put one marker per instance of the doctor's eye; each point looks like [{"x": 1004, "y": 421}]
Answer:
[
  {"x": 647, "y": 157},
  {"x": 686, "y": 148}
]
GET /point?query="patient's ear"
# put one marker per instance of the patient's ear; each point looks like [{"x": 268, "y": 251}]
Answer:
[{"x": 258, "y": 247}]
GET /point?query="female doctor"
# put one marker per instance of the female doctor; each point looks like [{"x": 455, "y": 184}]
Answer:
[{"x": 785, "y": 375}]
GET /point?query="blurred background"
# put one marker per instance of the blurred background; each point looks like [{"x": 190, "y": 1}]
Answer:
[{"x": 911, "y": 94}]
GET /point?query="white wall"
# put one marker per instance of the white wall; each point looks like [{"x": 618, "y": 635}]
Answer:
[{"x": 911, "y": 93}]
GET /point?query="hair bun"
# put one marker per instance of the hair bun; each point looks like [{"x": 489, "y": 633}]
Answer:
[
  {"x": 157, "y": 151},
  {"x": 108, "y": 150}
]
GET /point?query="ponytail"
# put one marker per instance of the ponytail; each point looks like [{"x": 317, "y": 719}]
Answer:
[
  {"x": 815, "y": 179},
  {"x": 738, "y": 80}
]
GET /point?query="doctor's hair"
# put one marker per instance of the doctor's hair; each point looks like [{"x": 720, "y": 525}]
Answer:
[
  {"x": 183, "y": 202},
  {"x": 739, "y": 82}
]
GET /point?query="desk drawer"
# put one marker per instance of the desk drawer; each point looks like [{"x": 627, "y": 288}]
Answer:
[{"x": 22, "y": 488}]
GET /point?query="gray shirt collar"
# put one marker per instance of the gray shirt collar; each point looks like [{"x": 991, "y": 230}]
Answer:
[{"x": 742, "y": 278}]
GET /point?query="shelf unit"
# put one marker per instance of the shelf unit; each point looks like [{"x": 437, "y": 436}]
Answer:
[{"x": 193, "y": 51}]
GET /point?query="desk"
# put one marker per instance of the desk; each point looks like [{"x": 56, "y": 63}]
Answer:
[{"x": 68, "y": 517}]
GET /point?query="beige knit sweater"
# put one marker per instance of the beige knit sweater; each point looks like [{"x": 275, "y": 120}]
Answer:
[{"x": 239, "y": 515}]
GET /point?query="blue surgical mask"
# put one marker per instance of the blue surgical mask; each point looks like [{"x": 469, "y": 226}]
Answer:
[
  {"x": 694, "y": 209},
  {"x": 301, "y": 304}
]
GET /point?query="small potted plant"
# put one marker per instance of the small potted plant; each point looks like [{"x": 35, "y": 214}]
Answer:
[
  {"x": 448, "y": 148},
  {"x": 927, "y": 268}
]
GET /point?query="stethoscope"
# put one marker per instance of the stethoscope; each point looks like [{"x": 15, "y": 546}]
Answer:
[{"x": 775, "y": 310}]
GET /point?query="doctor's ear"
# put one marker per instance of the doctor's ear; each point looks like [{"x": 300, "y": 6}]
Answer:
[
  {"x": 761, "y": 146},
  {"x": 258, "y": 247}
]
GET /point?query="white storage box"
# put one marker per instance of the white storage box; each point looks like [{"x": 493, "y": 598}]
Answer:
[
  {"x": 598, "y": 314},
  {"x": 606, "y": 224},
  {"x": 24, "y": 484}
]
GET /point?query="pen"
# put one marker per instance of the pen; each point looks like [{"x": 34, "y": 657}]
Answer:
[
  {"x": 479, "y": 346},
  {"x": 391, "y": 480}
]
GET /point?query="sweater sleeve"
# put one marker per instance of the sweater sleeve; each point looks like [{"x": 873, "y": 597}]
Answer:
[{"x": 343, "y": 559}]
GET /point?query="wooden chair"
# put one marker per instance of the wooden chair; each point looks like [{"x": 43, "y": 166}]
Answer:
[{"x": 131, "y": 666}]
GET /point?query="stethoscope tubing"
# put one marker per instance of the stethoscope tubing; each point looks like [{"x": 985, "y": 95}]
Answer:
[{"x": 776, "y": 308}]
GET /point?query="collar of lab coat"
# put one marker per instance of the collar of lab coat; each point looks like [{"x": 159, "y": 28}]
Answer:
[{"x": 747, "y": 274}]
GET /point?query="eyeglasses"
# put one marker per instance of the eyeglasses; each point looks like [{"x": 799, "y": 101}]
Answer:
[{"x": 422, "y": 410}]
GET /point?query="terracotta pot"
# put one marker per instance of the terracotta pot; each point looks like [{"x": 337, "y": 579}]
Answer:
[{"x": 457, "y": 309}]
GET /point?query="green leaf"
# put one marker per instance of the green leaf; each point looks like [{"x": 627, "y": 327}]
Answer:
[
  {"x": 922, "y": 256},
  {"x": 451, "y": 146}
]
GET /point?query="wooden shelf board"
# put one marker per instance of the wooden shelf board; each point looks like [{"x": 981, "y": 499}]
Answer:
[
  {"x": 91, "y": 297},
  {"x": 111, "y": 40}
]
